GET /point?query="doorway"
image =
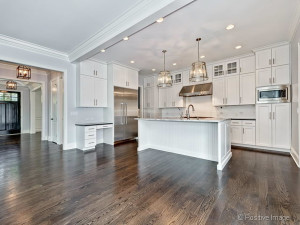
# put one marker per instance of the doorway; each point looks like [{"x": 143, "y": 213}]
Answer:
[{"x": 10, "y": 116}]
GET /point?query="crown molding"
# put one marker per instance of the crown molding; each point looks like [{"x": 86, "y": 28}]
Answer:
[
  {"x": 24, "y": 45},
  {"x": 271, "y": 46},
  {"x": 123, "y": 65},
  {"x": 131, "y": 17}
]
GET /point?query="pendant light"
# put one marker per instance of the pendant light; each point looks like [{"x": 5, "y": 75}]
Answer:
[
  {"x": 198, "y": 72},
  {"x": 11, "y": 85},
  {"x": 164, "y": 77},
  {"x": 23, "y": 72}
]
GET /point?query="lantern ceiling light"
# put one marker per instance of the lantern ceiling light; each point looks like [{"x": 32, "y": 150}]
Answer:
[
  {"x": 198, "y": 72},
  {"x": 164, "y": 77},
  {"x": 23, "y": 72},
  {"x": 11, "y": 85}
]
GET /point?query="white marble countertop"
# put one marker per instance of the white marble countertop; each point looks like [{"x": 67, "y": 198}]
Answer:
[{"x": 199, "y": 120}]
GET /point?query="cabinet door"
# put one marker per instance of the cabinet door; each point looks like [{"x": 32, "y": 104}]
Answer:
[
  {"x": 100, "y": 70},
  {"x": 233, "y": 67},
  {"x": 120, "y": 76},
  {"x": 100, "y": 92},
  {"x": 281, "y": 75},
  {"x": 264, "y": 125},
  {"x": 169, "y": 97},
  {"x": 247, "y": 89},
  {"x": 263, "y": 59},
  {"x": 146, "y": 98},
  {"x": 87, "y": 98},
  {"x": 281, "y": 55},
  {"x": 132, "y": 79},
  {"x": 219, "y": 70},
  {"x": 247, "y": 65},
  {"x": 263, "y": 77},
  {"x": 177, "y": 100},
  {"x": 218, "y": 91},
  {"x": 236, "y": 134},
  {"x": 281, "y": 125},
  {"x": 186, "y": 78},
  {"x": 162, "y": 102},
  {"x": 232, "y": 88},
  {"x": 87, "y": 68},
  {"x": 249, "y": 135}
]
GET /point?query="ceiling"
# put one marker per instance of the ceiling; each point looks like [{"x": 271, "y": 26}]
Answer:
[
  {"x": 257, "y": 23},
  {"x": 56, "y": 24}
]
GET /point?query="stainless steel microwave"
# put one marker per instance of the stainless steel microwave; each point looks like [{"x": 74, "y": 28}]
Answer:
[{"x": 274, "y": 94}]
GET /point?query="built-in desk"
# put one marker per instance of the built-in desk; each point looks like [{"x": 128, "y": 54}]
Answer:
[{"x": 86, "y": 134}]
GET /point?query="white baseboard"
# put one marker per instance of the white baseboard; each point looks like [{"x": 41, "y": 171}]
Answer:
[
  {"x": 262, "y": 148},
  {"x": 69, "y": 146},
  {"x": 295, "y": 156}
]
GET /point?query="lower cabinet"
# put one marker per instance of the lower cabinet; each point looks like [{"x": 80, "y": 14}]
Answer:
[
  {"x": 243, "y": 132},
  {"x": 273, "y": 125},
  {"x": 169, "y": 97}
]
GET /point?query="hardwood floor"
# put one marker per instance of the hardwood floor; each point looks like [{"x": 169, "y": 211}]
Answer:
[{"x": 41, "y": 184}]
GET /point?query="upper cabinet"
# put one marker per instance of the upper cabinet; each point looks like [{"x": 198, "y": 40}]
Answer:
[
  {"x": 93, "y": 69},
  {"x": 247, "y": 65},
  {"x": 273, "y": 66},
  {"x": 125, "y": 77},
  {"x": 149, "y": 82},
  {"x": 232, "y": 67},
  {"x": 169, "y": 97},
  {"x": 91, "y": 84}
]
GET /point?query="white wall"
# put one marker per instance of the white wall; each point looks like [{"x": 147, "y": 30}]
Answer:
[
  {"x": 71, "y": 113},
  {"x": 295, "y": 99},
  {"x": 25, "y": 107}
]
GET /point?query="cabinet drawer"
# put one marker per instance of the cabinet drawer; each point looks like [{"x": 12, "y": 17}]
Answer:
[
  {"x": 236, "y": 122},
  {"x": 90, "y": 135},
  {"x": 90, "y": 143},
  {"x": 90, "y": 128},
  {"x": 104, "y": 126},
  {"x": 250, "y": 123}
]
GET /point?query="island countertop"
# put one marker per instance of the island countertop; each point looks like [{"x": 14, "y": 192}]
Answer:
[{"x": 197, "y": 120}]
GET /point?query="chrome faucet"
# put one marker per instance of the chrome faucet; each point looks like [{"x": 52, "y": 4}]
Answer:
[{"x": 188, "y": 111}]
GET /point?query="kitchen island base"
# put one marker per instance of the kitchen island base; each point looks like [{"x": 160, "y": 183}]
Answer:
[{"x": 204, "y": 139}]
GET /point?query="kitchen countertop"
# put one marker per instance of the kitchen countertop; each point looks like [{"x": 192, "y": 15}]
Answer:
[
  {"x": 92, "y": 124},
  {"x": 198, "y": 120}
]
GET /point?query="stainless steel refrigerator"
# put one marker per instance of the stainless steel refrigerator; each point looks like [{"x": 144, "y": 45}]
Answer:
[{"x": 126, "y": 109}]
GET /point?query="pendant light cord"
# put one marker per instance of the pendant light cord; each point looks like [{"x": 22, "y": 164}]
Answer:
[{"x": 164, "y": 51}]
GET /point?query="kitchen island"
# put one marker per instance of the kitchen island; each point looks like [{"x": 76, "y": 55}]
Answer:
[{"x": 204, "y": 138}]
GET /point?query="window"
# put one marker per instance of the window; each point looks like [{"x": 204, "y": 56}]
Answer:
[{"x": 9, "y": 97}]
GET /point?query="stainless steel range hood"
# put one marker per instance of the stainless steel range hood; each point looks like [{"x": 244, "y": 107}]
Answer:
[{"x": 196, "y": 90}]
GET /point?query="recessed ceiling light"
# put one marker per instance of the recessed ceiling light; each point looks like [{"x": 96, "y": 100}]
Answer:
[
  {"x": 161, "y": 19},
  {"x": 126, "y": 38},
  {"x": 132, "y": 61},
  {"x": 238, "y": 47},
  {"x": 153, "y": 70},
  {"x": 102, "y": 50},
  {"x": 202, "y": 56},
  {"x": 174, "y": 64},
  {"x": 229, "y": 27}
]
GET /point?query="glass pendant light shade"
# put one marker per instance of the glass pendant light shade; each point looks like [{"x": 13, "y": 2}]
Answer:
[
  {"x": 198, "y": 72},
  {"x": 164, "y": 77}
]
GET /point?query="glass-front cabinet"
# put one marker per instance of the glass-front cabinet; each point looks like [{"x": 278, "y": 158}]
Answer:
[
  {"x": 219, "y": 70},
  {"x": 233, "y": 67},
  {"x": 176, "y": 78}
]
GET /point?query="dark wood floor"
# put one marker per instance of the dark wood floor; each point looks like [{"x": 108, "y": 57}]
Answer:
[{"x": 41, "y": 184}]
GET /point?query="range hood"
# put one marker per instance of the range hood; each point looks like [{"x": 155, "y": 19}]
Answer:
[{"x": 196, "y": 90}]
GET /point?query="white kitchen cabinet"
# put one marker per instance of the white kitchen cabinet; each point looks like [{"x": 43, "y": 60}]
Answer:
[
  {"x": 176, "y": 100},
  {"x": 263, "y": 77},
  {"x": 232, "y": 67},
  {"x": 247, "y": 89},
  {"x": 162, "y": 101},
  {"x": 281, "y": 125},
  {"x": 280, "y": 75},
  {"x": 236, "y": 135},
  {"x": 93, "y": 69},
  {"x": 273, "y": 127},
  {"x": 264, "y": 59},
  {"x": 92, "y": 92},
  {"x": 247, "y": 65},
  {"x": 232, "y": 89},
  {"x": 149, "y": 82},
  {"x": 100, "y": 92},
  {"x": 125, "y": 77},
  {"x": 219, "y": 70},
  {"x": 149, "y": 97},
  {"x": 176, "y": 78},
  {"x": 248, "y": 135},
  {"x": 169, "y": 97},
  {"x": 219, "y": 92},
  {"x": 264, "y": 125},
  {"x": 281, "y": 55}
]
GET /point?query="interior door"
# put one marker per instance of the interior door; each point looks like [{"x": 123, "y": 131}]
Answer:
[
  {"x": 119, "y": 113},
  {"x": 54, "y": 110},
  {"x": 130, "y": 113}
]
